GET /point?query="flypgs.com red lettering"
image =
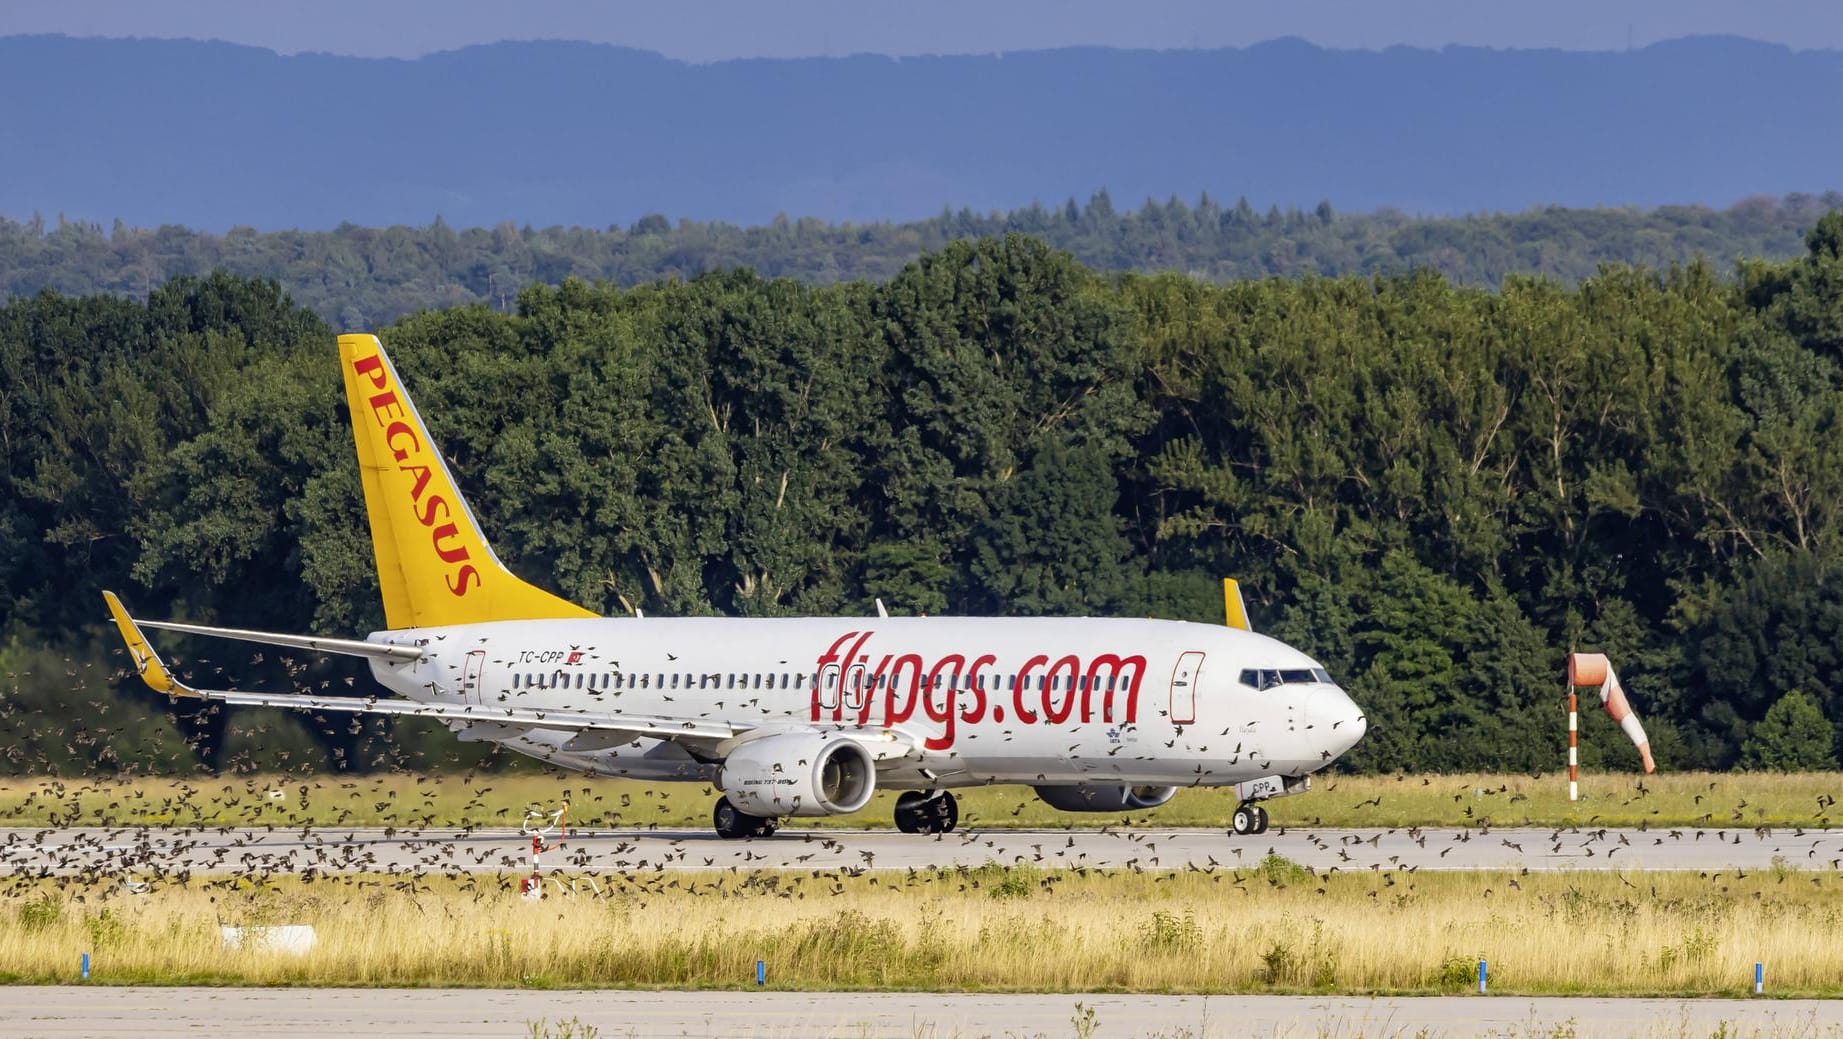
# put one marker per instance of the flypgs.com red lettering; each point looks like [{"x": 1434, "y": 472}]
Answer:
[{"x": 957, "y": 690}]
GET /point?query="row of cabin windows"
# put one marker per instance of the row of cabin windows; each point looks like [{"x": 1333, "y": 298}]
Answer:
[
  {"x": 782, "y": 680},
  {"x": 993, "y": 683},
  {"x": 1268, "y": 678},
  {"x": 622, "y": 680}
]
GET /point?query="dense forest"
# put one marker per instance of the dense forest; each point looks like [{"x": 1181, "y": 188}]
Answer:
[
  {"x": 360, "y": 277},
  {"x": 1436, "y": 488}
]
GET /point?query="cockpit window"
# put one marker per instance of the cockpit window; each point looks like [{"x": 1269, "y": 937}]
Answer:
[{"x": 1268, "y": 678}]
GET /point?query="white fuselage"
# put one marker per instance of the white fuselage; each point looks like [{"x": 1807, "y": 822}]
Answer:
[{"x": 986, "y": 700}]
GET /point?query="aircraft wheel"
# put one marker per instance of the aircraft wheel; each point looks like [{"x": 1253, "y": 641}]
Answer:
[
  {"x": 764, "y": 827},
  {"x": 943, "y": 813},
  {"x": 1260, "y": 819},
  {"x": 731, "y": 824},
  {"x": 909, "y": 810},
  {"x": 919, "y": 812},
  {"x": 1242, "y": 823}
]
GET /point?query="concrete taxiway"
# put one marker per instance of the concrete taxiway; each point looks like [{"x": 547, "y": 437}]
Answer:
[
  {"x": 160, "y": 1013},
  {"x": 328, "y": 850}
]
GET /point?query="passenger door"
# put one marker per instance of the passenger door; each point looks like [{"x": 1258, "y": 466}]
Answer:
[{"x": 1184, "y": 688}]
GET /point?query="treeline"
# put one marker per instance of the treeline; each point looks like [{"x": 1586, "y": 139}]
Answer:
[
  {"x": 360, "y": 277},
  {"x": 1437, "y": 489}
]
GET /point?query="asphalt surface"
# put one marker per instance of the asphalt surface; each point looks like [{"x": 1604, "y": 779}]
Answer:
[
  {"x": 158, "y": 1013},
  {"x": 154, "y": 852}
]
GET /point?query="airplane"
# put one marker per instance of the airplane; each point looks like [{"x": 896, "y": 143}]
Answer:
[{"x": 793, "y": 717}]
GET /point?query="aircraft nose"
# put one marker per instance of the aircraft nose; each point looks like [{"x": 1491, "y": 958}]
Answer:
[{"x": 1336, "y": 719}]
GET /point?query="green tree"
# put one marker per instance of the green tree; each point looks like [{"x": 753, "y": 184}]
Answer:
[
  {"x": 1793, "y": 737},
  {"x": 1052, "y": 545}
]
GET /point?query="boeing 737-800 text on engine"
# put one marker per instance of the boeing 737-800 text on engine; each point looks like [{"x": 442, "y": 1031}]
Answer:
[{"x": 800, "y": 716}]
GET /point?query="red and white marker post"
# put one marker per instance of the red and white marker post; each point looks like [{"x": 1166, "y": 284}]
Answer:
[{"x": 539, "y": 825}]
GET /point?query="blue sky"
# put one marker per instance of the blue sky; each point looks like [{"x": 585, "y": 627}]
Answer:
[{"x": 711, "y": 30}]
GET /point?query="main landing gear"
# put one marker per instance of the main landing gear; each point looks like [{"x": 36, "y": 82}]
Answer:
[
  {"x": 734, "y": 825},
  {"x": 1249, "y": 819},
  {"x": 921, "y": 812}
]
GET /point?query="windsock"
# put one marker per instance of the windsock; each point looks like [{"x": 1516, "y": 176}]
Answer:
[{"x": 1593, "y": 669}]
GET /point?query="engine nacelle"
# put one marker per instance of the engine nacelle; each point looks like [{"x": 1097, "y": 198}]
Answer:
[
  {"x": 799, "y": 773},
  {"x": 1091, "y": 797}
]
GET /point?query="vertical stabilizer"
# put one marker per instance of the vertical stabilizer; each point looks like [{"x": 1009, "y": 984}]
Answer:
[
  {"x": 1234, "y": 610},
  {"x": 434, "y": 565}
]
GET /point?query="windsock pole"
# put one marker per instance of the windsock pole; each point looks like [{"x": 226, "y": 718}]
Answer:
[{"x": 1574, "y": 745}]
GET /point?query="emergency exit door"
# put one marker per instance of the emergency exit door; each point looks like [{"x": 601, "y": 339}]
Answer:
[{"x": 470, "y": 677}]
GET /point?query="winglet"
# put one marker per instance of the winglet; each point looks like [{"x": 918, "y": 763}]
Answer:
[
  {"x": 1235, "y": 613},
  {"x": 146, "y": 662}
]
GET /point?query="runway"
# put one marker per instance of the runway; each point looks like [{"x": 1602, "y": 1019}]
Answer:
[
  {"x": 168, "y": 1013},
  {"x": 148, "y": 853}
]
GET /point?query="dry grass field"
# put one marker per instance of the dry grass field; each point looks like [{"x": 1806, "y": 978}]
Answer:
[
  {"x": 1277, "y": 927},
  {"x": 1727, "y": 799}
]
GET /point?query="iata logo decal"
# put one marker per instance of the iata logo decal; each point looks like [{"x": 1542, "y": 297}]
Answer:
[
  {"x": 408, "y": 450},
  {"x": 954, "y": 689}
]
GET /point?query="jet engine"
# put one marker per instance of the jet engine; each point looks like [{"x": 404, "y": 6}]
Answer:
[
  {"x": 1091, "y": 797},
  {"x": 798, "y": 773}
]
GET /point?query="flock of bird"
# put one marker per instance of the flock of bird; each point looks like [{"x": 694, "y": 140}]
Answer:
[{"x": 483, "y": 860}]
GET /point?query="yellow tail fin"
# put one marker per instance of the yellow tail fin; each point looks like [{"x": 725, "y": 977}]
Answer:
[
  {"x": 434, "y": 565},
  {"x": 1235, "y": 612}
]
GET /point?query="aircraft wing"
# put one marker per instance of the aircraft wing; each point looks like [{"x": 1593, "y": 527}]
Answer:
[
  {"x": 154, "y": 672},
  {"x": 519, "y": 717}
]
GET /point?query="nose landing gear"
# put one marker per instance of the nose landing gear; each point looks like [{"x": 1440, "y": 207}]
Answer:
[
  {"x": 921, "y": 812},
  {"x": 1249, "y": 819}
]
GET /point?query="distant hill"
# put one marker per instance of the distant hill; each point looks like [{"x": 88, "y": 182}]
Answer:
[
  {"x": 359, "y": 277},
  {"x": 214, "y": 135}
]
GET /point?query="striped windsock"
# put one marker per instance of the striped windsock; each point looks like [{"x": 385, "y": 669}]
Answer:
[{"x": 1593, "y": 669}]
